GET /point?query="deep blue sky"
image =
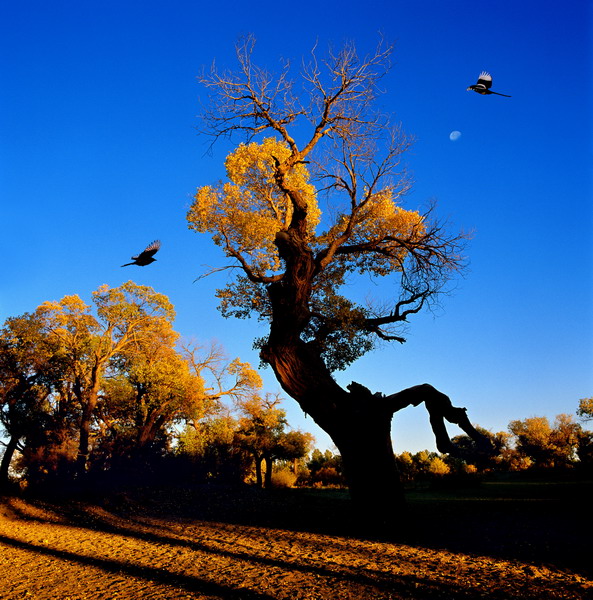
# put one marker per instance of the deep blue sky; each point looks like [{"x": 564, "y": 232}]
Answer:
[{"x": 99, "y": 155}]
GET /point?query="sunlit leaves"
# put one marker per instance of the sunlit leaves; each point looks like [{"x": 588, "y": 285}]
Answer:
[
  {"x": 585, "y": 410},
  {"x": 265, "y": 215},
  {"x": 115, "y": 370},
  {"x": 245, "y": 213},
  {"x": 377, "y": 235},
  {"x": 544, "y": 444}
]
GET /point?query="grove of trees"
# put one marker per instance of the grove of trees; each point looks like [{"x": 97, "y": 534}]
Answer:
[
  {"x": 532, "y": 444},
  {"x": 107, "y": 389},
  {"x": 315, "y": 141}
]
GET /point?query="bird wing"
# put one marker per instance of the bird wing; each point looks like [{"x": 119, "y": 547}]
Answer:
[
  {"x": 485, "y": 79},
  {"x": 150, "y": 250}
]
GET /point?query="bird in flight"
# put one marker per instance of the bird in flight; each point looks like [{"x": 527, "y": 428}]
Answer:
[
  {"x": 484, "y": 84},
  {"x": 146, "y": 256}
]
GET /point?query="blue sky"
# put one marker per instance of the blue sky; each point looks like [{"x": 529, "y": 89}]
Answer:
[{"x": 99, "y": 155}]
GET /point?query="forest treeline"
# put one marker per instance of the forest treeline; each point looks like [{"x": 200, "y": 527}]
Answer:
[
  {"x": 109, "y": 392},
  {"x": 109, "y": 389}
]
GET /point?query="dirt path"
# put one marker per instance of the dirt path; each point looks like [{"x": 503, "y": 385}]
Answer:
[{"x": 47, "y": 555}]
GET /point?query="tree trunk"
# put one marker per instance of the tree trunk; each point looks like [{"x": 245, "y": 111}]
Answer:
[
  {"x": 268, "y": 478},
  {"x": 6, "y": 459},
  {"x": 358, "y": 423},
  {"x": 258, "y": 474},
  {"x": 88, "y": 400},
  {"x": 84, "y": 438},
  {"x": 370, "y": 469}
]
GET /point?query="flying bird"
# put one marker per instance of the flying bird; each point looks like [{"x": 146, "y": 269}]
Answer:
[
  {"x": 146, "y": 256},
  {"x": 484, "y": 84}
]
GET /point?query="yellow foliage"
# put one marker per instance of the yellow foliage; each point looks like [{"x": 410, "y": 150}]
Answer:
[
  {"x": 246, "y": 212},
  {"x": 379, "y": 221},
  {"x": 439, "y": 467}
]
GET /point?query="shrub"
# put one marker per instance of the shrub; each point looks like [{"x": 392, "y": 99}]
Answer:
[{"x": 283, "y": 479}]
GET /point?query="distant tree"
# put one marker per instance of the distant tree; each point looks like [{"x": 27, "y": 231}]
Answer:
[
  {"x": 438, "y": 467},
  {"x": 212, "y": 448},
  {"x": 585, "y": 449},
  {"x": 265, "y": 219},
  {"x": 209, "y": 448},
  {"x": 546, "y": 445},
  {"x": 325, "y": 468},
  {"x": 499, "y": 457},
  {"x": 153, "y": 390},
  {"x": 565, "y": 439},
  {"x": 422, "y": 461},
  {"x": 405, "y": 466},
  {"x": 223, "y": 377},
  {"x": 585, "y": 410},
  {"x": 261, "y": 431},
  {"x": 292, "y": 446}
]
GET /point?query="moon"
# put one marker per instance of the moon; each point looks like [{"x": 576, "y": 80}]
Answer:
[{"x": 454, "y": 135}]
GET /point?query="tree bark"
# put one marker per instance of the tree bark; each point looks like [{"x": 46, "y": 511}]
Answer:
[
  {"x": 268, "y": 477},
  {"x": 358, "y": 424},
  {"x": 88, "y": 399},
  {"x": 6, "y": 460},
  {"x": 258, "y": 474},
  {"x": 84, "y": 438}
]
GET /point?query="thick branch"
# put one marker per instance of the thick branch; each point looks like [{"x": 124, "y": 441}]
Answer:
[{"x": 440, "y": 409}]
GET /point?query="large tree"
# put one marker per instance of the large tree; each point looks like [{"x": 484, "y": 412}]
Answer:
[
  {"x": 125, "y": 316},
  {"x": 293, "y": 262}
]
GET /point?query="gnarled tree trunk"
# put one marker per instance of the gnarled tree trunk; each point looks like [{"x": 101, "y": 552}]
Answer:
[{"x": 359, "y": 423}]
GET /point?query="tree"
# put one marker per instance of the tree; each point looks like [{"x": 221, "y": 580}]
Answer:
[
  {"x": 208, "y": 439},
  {"x": 438, "y": 467},
  {"x": 265, "y": 219},
  {"x": 546, "y": 445},
  {"x": 325, "y": 468},
  {"x": 499, "y": 457},
  {"x": 260, "y": 430},
  {"x": 152, "y": 388},
  {"x": 585, "y": 410},
  {"x": 125, "y": 315},
  {"x": 293, "y": 446},
  {"x": 24, "y": 383}
]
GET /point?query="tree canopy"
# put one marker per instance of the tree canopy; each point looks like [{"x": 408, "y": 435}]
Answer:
[
  {"x": 83, "y": 388},
  {"x": 349, "y": 161}
]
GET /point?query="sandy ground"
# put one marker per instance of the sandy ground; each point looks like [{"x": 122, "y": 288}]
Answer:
[{"x": 96, "y": 553}]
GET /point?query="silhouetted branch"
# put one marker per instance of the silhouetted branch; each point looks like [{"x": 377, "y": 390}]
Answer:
[{"x": 439, "y": 408}]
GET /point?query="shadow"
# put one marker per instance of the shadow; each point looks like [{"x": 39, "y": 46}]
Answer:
[
  {"x": 537, "y": 530},
  {"x": 377, "y": 579},
  {"x": 188, "y": 583},
  {"x": 544, "y": 523},
  {"x": 421, "y": 585}
]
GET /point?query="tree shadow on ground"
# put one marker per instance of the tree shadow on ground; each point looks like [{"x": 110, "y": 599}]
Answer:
[
  {"x": 134, "y": 525},
  {"x": 545, "y": 524}
]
